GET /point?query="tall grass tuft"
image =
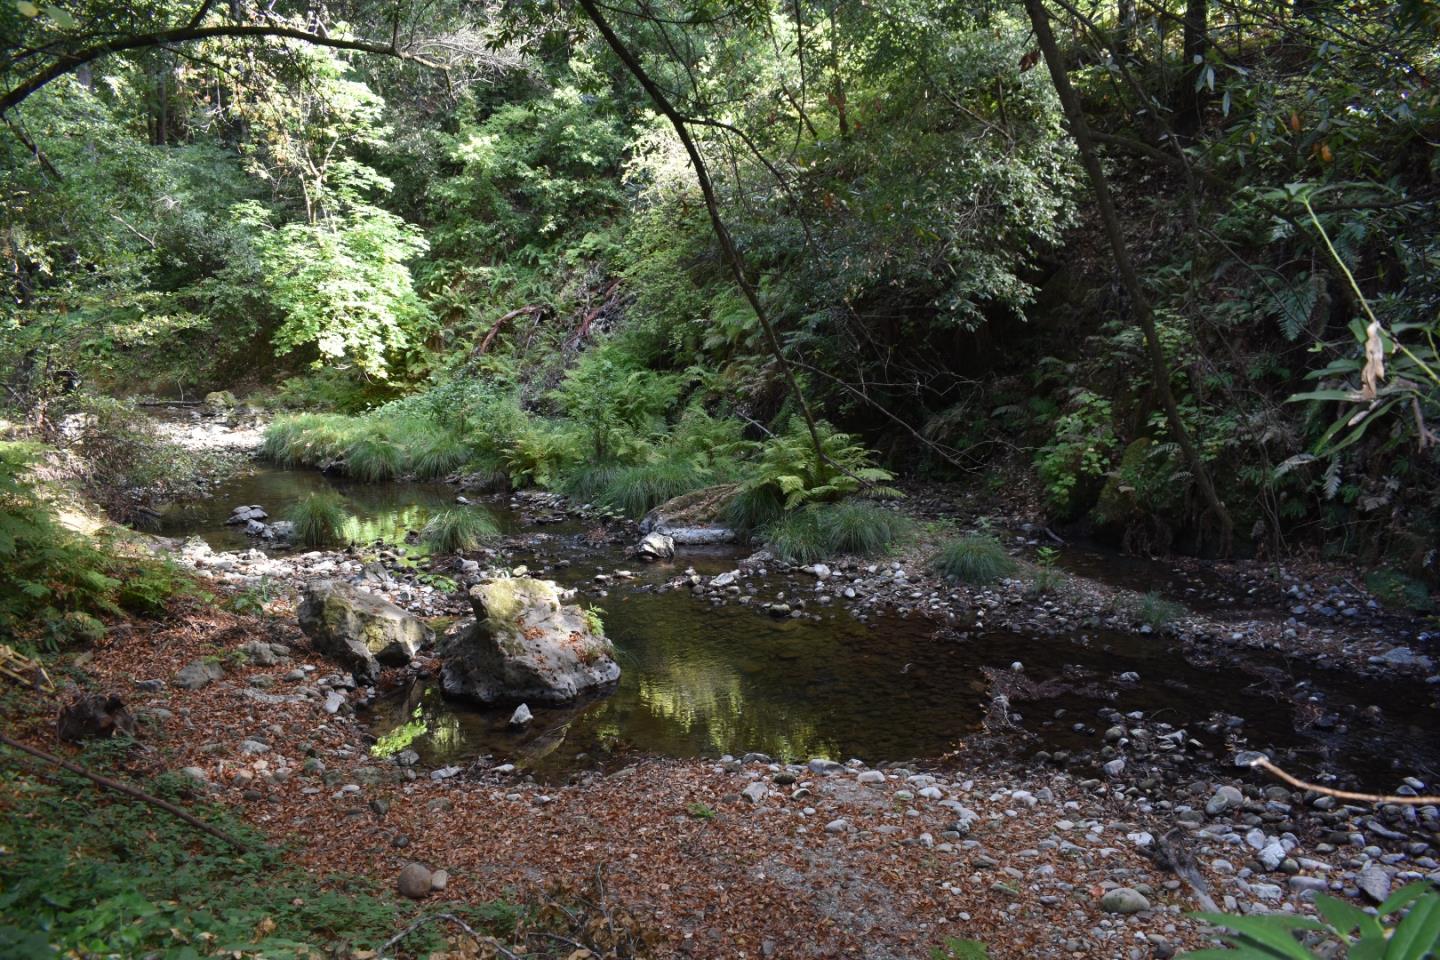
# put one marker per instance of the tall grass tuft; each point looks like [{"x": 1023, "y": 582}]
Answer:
[
  {"x": 754, "y": 508},
  {"x": 319, "y": 519},
  {"x": 374, "y": 458},
  {"x": 438, "y": 456},
  {"x": 451, "y": 531},
  {"x": 797, "y": 537},
  {"x": 974, "y": 559},
  {"x": 588, "y": 482},
  {"x": 1154, "y": 610},
  {"x": 864, "y": 529},
  {"x": 636, "y": 489}
]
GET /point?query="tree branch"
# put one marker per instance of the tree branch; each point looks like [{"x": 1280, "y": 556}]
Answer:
[{"x": 67, "y": 63}]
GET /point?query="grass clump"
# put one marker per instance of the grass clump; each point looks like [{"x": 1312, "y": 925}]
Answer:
[
  {"x": 975, "y": 559},
  {"x": 319, "y": 519},
  {"x": 374, "y": 458},
  {"x": 864, "y": 529},
  {"x": 634, "y": 490},
  {"x": 797, "y": 537},
  {"x": 588, "y": 483},
  {"x": 1154, "y": 611},
  {"x": 438, "y": 456},
  {"x": 754, "y": 508},
  {"x": 452, "y": 531}
]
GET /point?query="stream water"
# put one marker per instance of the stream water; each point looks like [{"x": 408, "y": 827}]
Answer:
[{"x": 702, "y": 680}]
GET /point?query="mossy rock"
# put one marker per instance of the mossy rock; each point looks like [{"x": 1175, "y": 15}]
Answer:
[
  {"x": 1396, "y": 589},
  {"x": 525, "y": 645}
]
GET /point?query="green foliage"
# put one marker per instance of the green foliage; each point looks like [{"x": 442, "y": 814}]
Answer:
[
  {"x": 1047, "y": 577},
  {"x": 1154, "y": 610},
  {"x": 615, "y": 404},
  {"x": 126, "y": 465},
  {"x": 95, "y": 875},
  {"x": 57, "y": 582},
  {"x": 700, "y": 811},
  {"x": 634, "y": 490},
  {"x": 593, "y": 620},
  {"x": 1405, "y": 927},
  {"x": 438, "y": 456},
  {"x": 823, "y": 530},
  {"x": 754, "y": 507},
  {"x": 863, "y": 529},
  {"x": 789, "y": 468},
  {"x": 458, "y": 530},
  {"x": 1082, "y": 442},
  {"x": 797, "y": 537},
  {"x": 342, "y": 285},
  {"x": 373, "y": 457},
  {"x": 319, "y": 519},
  {"x": 975, "y": 559},
  {"x": 956, "y": 949}
]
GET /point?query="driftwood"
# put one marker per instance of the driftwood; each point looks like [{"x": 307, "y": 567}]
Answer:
[
  {"x": 1261, "y": 762},
  {"x": 22, "y": 669},
  {"x": 127, "y": 790},
  {"x": 495, "y": 328}
]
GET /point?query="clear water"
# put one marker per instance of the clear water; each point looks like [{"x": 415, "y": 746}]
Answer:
[{"x": 701, "y": 680}]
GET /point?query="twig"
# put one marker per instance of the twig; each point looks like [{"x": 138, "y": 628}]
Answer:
[
  {"x": 1261, "y": 762},
  {"x": 128, "y": 791},
  {"x": 478, "y": 937}
]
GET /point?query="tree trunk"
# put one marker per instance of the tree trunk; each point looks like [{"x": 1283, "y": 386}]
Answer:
[
  {"x": 1196, "y": 42},
  {"x": 728, "y": 249},
  {"x": 1139, "y": 302}
]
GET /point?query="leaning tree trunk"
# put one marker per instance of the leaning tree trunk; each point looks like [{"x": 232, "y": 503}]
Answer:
[
  {"x": 1139, "y": 302},
  {"x": 728, "y": 249}
]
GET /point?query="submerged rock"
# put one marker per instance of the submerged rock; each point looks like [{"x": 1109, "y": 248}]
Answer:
[
  {"x": 525, "y": 645},
  {"x": 358, "y": 628}
]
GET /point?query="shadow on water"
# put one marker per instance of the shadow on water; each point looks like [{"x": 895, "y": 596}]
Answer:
[{"x": 702, "y": 680}]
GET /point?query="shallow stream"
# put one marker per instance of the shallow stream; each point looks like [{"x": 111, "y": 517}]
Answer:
[{"x": 705, "y": 680}]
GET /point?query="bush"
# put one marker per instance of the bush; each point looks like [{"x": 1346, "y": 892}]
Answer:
[
  {"x": 56, "y": 583},
  {"x": 319, "y": 519},
  {"x": 452, "y": 531},
  {"x": 126, "y": 463},
  {"x": 975, "y": 559}
]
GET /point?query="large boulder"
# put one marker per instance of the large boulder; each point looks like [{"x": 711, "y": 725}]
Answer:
[
  {"x": 524, "y": 644},
  {"x": 358, "y": 628}
]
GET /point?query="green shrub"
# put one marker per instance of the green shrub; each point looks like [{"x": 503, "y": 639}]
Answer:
[
  {"x": 789, "y": 467},
  {"x": 636, "y": 489},
  {"x": 1047, "y": 578},
  {"x": 864, "y": 529},
  {"x": 975, "y": 559},
  {"x": 452, "y": 531},
  {"x": 374, "y": 458},
  {"x": 319, "y": 519}
]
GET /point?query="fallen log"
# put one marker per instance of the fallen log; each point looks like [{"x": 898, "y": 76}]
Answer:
[{"x": 127, "y": 790}]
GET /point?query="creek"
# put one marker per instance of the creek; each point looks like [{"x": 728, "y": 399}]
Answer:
[{"x": 701, "y": 679}]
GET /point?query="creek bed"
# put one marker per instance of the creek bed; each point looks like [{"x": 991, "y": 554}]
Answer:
[{"x": 705, "y": 680}]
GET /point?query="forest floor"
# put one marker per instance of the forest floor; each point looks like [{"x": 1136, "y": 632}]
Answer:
[{"x": 751, "y": 858}]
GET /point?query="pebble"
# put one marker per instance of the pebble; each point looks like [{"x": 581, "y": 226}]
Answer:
[{"x": 1124, "y": 900}]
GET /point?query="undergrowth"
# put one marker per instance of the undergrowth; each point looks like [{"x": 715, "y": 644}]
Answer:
[{"x": 90, "y": 874}]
